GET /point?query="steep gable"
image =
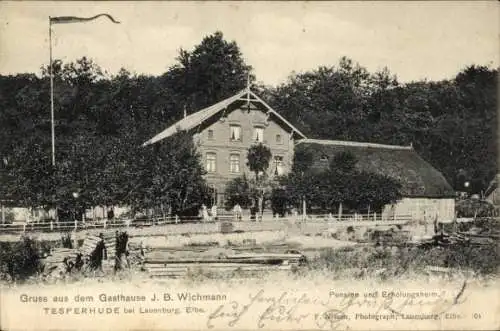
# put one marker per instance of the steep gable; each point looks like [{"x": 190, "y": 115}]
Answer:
[{"x": 198, "y": 118}]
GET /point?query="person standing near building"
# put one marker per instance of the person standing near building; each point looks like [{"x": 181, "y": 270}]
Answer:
[
  {"x": 204, "y": 213},
  {"x": 237, "y": 212}
]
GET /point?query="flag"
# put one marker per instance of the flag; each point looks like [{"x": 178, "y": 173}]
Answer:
[{"x": 74, "y": 19}]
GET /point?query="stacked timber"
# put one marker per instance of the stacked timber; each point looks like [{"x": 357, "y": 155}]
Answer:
[
  {"x": 268, "y": 258},
  {"x": 90, "y": 244},
  {"x": 62, "y": 259},
  {"x": 163, "y": 264},
  {"x": 460, "y": 238},
  {"x": 110, "y": 244},
  {"x": 480, "y": 238}
]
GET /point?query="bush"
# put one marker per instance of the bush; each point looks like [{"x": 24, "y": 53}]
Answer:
[
  {"x": 483, "y": 260},
  {"x": 19, "y": 260},
  {"x": 66, "y": 240},
  {"x": 239, "y": 191},
  {"x": 474, "y": 208}
]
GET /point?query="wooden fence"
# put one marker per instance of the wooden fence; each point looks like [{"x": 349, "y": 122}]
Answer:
[{"x": 52, "y": 226}]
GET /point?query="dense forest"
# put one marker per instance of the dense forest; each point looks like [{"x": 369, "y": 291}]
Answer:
[{"x": 101, "y": 122}]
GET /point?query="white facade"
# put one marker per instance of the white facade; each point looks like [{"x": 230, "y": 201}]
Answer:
[
  {"x": 100, "y": 212},
  {"x": 22, "y": 214},
  {"x": 425, "y": 209}
]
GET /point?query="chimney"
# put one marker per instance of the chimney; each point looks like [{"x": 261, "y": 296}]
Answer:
[{"x": 185, "y": 111}]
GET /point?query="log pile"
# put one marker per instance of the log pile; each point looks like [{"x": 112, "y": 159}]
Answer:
[
  {"x": 98, "y": 252},
  {"x": 164, "y": 264},
  {"x": 62, "y": 260},
  {"x": 110, "y": 244},
  {"x": 90, "y": 244},
  {"x": 461, "y": 238}
]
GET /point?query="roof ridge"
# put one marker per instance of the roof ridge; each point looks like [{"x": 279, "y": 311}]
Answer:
[
  {"x": 216, "y": 105},
  {"x": 353, "y": 143}
]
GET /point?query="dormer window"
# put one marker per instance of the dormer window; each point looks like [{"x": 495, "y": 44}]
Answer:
[
  {"x": 235, "y": 133},
  {"x": 258, "y": 134},
  {"x": 279, "y": 139}
]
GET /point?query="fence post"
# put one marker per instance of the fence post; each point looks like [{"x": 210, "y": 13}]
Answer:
[
  {"x": 176, "y": 219},
  {"x": 105, "y": 221},
  {"x": 304, "y": 210},
  {"x": 51, "y": 225},
  {"x": 24, "y": 227},
  {"x": 76, "y": 223}
]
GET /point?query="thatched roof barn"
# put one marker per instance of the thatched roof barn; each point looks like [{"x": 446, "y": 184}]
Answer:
[
  {"x": 417, "y": 177},
  {"x": 425, "y": 190}
]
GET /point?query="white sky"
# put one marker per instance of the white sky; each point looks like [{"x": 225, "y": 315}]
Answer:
[{"x": 415, "y": 40}]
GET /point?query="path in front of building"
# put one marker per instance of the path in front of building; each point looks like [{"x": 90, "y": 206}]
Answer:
[{"x": 208, "y": 228}]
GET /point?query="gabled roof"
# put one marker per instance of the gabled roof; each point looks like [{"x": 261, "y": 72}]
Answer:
[
  {"x": 195, "y": 119},
  {"x": 492, "y": 191},
  {"x": 417, "y": 177}
]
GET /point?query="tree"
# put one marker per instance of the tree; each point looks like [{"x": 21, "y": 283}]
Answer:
[
  {"x": 258, "y": 159},
  {"x": 279, "y": 201},
  {"x": 183, "y": 190},
  {"x": 214, "y": 70},
  {"x": 451, "y": 123},
  {"x": 342, "y": 183},
  {"x": 344, "y": 162},
  {"x": 239, "y": 191}
]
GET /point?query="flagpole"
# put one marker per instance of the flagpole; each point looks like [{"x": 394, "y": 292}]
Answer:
[{"x": 52, "y": 129}]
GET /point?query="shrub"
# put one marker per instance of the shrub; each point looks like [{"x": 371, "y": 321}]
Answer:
[
  {"x": 66, "y": 240},
  {"x": 19, "y": 260},
  {"x": 484, "y": 260}
]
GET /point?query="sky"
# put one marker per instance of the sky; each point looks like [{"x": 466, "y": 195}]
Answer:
[{"x": 414, "y": 40}]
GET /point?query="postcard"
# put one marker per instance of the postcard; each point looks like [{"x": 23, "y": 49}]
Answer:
[{"x": 249, "y": 165}]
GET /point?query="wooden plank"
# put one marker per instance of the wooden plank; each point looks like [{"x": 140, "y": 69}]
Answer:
[
  {"x": 192, "y": 265},
  {"x": 91, "y": 242},
  {"x": 92, "y": 237},
  {"x": 205, "y": 261},
  {"x": 168, "y": 271},
  {"x": 88, "y": 246},
  {"x": 265, "y": 255}
]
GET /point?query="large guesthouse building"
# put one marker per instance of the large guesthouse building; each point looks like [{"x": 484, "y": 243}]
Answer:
[{"x": 224, "y": 132}]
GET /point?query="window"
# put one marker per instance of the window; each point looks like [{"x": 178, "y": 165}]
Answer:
[
  {"x": 258, "y": 135},
  {"x": 234, "y": 163},
  {"x": 211, "y": 162},
  {"x": 278, "y": 166},
  {"x": 279, "y": 140},
  {"x": 235, "y": 134},
  {"x": 210, "y": 134}
]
